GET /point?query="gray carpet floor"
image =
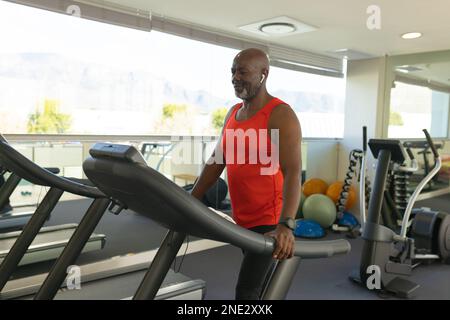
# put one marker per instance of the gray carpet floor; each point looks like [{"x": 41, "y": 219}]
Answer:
[{"x": 315, "y": 279}]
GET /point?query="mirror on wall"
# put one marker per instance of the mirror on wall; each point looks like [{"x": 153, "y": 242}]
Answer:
[{"x": 418, "y": 97}]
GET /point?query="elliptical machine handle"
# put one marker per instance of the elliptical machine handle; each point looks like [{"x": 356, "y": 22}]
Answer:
[
  {"x": 362, "y": 181},
  {"x": 430, "y": 143},
  {"x": 364, "y": 139},
  {"x": 422, "y": 184},
  {"x": 410, "y": 154}
]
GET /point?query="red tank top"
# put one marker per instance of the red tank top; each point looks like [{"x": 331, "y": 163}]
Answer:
[{"x": 255, "y": 179}]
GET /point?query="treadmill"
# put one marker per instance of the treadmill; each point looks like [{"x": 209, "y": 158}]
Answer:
[
  {"x": 121, "y": 172},
  {"x": 16, "y": 218},
  {"x": 124, "y": 269},
  {"x": 19, "y": 216},
  {"x": 118, "y": 276},
  {"x": 48, "y": 244}
]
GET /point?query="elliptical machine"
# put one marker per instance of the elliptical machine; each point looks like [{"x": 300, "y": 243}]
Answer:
[
  {"x": 397, "y": 195},
  {"x": 387, "y": 256}
]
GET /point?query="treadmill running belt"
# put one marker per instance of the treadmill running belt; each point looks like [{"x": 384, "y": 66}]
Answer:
[{"x": 175, "y": 286}]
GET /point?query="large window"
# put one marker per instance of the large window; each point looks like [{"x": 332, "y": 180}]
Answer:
[
  {"x": 317, "y": 100},
  {"x": 414, "y": 108},
  {"x": 61, "y": 74}
]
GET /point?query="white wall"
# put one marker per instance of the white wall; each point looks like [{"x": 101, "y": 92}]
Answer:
[
  {"x": 364, "y": 106},
  {"x": 322, "y": 160}
]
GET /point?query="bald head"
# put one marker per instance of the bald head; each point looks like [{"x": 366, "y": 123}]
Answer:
[{"x": 255, "y": 58}]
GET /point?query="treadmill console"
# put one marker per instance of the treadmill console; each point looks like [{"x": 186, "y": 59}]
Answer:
[
  {"x": 117, "y": 151},
  {"x": 398, "y": 153}
]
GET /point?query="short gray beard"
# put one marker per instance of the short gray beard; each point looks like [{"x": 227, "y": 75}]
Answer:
[{"x": 245, "y": 95}]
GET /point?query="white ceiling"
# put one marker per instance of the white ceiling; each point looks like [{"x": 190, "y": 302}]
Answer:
[
  {"x": 341, "y": 23},
  {"x": 437, "y": 72}
]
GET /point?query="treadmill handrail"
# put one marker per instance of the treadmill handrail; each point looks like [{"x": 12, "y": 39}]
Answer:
[
  {"x": 320, "y": 249},
  {"x": 16, "y": 162},
  {"x": 146, "y": 191}
]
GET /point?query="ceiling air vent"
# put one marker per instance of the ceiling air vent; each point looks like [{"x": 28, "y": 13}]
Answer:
[
  {"x": 408, "y": 69},
  {"x": 278, "y": 27},
  {"x": 350, "y": 54}
]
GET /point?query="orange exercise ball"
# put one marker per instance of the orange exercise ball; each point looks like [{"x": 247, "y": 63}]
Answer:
[
  {"x": 314, "y": 186},
  {"x": 334, "y": 190}
]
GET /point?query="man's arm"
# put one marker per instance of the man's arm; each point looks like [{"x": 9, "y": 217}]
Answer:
[
  {"x": 212, "y": 170},
  {"x": 285, "y": 120},
  {"x": 210, "y": 173}
]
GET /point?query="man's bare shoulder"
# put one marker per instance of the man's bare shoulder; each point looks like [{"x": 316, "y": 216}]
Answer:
[
  {"x": 283, "y": 109},
  {"x": 230, "y": 112},
  {"x": 282, "y": 114}
]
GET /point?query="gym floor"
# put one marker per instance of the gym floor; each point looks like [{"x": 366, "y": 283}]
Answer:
[{"x": 315, "y": 279}]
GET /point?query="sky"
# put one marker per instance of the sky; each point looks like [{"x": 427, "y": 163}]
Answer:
[
  {"x": 193, "y": 65},
  {"x": 22, "y": 30}
]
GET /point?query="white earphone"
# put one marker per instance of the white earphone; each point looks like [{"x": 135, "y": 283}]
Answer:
[{"x": 262, "y": 78}]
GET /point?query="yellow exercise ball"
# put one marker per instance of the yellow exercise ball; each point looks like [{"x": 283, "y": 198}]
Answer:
[
  {"x": 314, "y": 186},
  {"x": 334, "y": 190}
]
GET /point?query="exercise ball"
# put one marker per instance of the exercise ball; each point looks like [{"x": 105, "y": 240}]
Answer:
[
  {"x": 308, "y": 229},
  {"x": 300, "y": 207},
  {"x": 334, "y": 190},
  {"x": 348, "y": 220},
  {"x": 321, "y": 209},
  {"x": 314, "y": 186}
]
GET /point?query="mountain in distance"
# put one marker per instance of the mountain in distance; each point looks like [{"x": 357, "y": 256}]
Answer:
[
  {"x": 202, "y": 99},
  {"x": 311, "y": 101},
  {"x": 97, "y": 86}
]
